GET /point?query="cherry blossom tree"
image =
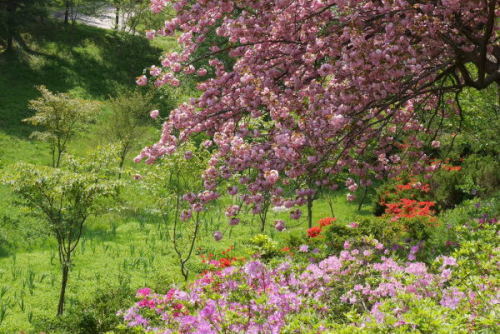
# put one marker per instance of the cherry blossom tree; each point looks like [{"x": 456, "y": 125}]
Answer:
[{"x": 317, "y": 88}]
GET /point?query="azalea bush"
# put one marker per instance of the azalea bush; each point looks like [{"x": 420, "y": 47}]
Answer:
[
  {"x": 404, "y": 196},
  {"x": 360, "y": 289}
]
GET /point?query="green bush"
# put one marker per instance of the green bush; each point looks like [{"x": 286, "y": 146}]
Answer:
[
  {"x": 479, "y": 176},
  {"x": 94, "y": 315},
  {"x": 400, "y": 235}
]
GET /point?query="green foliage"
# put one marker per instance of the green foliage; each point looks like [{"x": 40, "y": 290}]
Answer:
[
  {"x": 400, "y": 235},
  {"x": 64, "y": 199},
  {"x": 125, "y": 123},
  {"x": 61, "y": 117},
  {"x": 479, "y": 176},
  {"x": 95, "y": 314},
  {"x": 264, "y": 247}
]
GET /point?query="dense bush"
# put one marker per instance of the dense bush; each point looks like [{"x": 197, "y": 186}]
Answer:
[
  {"x": 96, "y": 314},
  {"x": 476, "y": 176},
  {"x": 362, "y": 289}
]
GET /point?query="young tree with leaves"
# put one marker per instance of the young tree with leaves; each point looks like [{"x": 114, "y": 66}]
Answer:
[
  {"x": 125, "y": 123},
  {"x": 64, "y": 198},
  {"x": 60, "y": 117},
  {"x": 179, "y": 196}
]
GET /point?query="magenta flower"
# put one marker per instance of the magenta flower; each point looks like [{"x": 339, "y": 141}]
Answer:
[
  {"x": 141, "y": 81},
  {"x": 217, "y": 235},
  {"x": 154, "y": 114},
  {"x": 279, "y": 225},
  {"x": 144, "y": 292}
]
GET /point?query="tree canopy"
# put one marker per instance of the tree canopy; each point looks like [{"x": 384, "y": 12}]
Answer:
[{"x": 321, "y": 87}]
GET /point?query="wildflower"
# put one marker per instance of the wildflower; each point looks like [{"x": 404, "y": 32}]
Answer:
[
  {"x": 303, "y": 248},
  {"x": 141, "y": 81},
  {"x": 326, "y": 221},
  {"x": 254, "y": 269},
  {"x": 144, "y": 292},
  {"x": 150, "y": 34},
  {"x": 295, "y": 214},
  {"x": 234, "y": 221},
  {"x": 451, "y": 298}
]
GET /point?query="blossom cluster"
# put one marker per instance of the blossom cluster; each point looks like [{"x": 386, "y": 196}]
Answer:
[
  {"x": 258, "y": 298},
  {"x": 321, "y": 98},
  {"x": 409, "y": 208},
  {"x": 315, "y": 231}
]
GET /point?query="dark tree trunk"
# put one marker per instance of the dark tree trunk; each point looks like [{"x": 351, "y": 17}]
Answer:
[
  {"x": 64, "y": 282},
  {"x": 66, "y": 12},
  {"x": 363, "y": 199},
  {"x": 310, "y": 200},
  {"x": 10, "y": 40},
  {"x": 117, "y": 17}
]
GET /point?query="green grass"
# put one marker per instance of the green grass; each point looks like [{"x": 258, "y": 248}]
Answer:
[
  {"x": 124, "y": 243},
  {"x": 135, "y": 251}
]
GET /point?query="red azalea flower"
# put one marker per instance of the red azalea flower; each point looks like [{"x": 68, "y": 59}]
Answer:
[
  {"x": 314, "y": 231},
  {"x": 326, "y": 221}
]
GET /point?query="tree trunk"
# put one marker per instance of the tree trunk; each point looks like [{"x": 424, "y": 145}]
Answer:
[
  {"x": 64, "y": 282},
  {"x": 309, "y": 210},
  {"x": 117, "y": 17},
  {"x": 66, "y": 12},
  {"x": 11, "y": 18},
  {"x": 363, "y": 199},
  {"x": 10, "y": 44}
]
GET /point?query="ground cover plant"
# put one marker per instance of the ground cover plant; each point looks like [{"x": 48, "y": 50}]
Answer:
[{"x": 323, "y": 166}]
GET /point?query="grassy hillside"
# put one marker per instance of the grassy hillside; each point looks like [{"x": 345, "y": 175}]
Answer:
[{"x": 122, "y": 247}]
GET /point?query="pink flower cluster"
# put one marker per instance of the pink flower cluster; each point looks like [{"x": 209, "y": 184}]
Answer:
[
  {"x": 256, "y": 298},
  {"x": 327, "y": 97}
]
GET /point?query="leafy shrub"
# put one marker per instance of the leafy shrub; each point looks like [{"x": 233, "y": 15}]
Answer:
[
  {"x": 479, "y": 176},
  {"x": 416, "y": 234},
  {"x": 94, "y": 315},
  {"x": 360, "y": 290}
]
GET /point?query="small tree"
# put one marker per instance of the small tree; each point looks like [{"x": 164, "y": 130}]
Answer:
[
  {"x": 171, "y": 180},
  {"x": 61, "y": 117},
  {"x": 125, "y": 124},
  {"x": 64, "y": 199}
]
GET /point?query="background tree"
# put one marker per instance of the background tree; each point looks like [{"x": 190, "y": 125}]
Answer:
[
  {"x": 126, "y": 124},
  {"x": 16, "y": 16},
  {"x": 178, "y": 194},
  {"x": 61, "y": 117},
  {"x": 64, "y": 199}
]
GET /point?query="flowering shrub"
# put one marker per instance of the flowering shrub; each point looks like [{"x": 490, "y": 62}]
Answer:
[
  {"x": 314, "y": 231},
  {"x": 359, "y": 288},
  {"x": 326, "y": 221},
  {"x": 404, "y": 199},
  {"x": 224, "y": 260},
  {"x": 409, "y": 208},
  {"x": 415, "y": 235}
]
